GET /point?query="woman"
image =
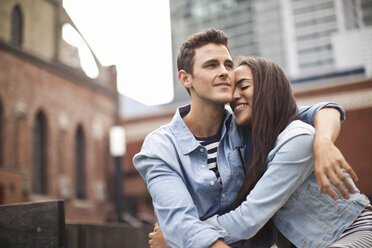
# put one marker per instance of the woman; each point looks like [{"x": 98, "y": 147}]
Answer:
[{"x": 280, "y": 184}]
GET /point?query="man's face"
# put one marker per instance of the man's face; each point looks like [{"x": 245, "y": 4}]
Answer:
[{"x": 213, "y": 75}]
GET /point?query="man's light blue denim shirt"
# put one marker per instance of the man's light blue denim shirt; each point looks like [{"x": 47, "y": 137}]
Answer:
[
  {"x": 184, "y": 191},
  {"x": 288, "y": 192}
]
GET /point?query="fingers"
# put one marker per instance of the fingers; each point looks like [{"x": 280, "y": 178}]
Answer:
[
  {"x": 331, "y": 166},
  {"x": 341, "y": 181},
  {"x": 150, "y": 242},
  {"x": 320, "y": 185},
  {"x": 156, "y": 228},
  {"x": 349, "y": 170},
  {"x": 156, "y": 240},
  {"x": 325, "y": 184},
  {"x": 338, "y": 185},
  {"x": 341, "y": 175},
  {"x": 320, "y": 178}
]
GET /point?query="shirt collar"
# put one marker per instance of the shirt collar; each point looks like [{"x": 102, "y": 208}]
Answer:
[{"x": 184, "y": 138}]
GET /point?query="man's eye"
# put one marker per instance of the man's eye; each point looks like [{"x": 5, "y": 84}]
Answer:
[
  {"x": 230, "y": 66},
  {"x": 211, "y": 65}
]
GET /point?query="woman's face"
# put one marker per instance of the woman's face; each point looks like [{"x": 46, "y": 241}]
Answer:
[{"x": 243, "y": 95}]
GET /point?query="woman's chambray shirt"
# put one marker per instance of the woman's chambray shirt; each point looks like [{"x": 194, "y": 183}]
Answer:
[
  {"x": 288, "y": 192},
  {"x": 184, "y": 191}
]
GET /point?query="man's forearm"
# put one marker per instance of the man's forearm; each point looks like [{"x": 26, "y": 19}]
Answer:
[{"x": 327, "y": 124}]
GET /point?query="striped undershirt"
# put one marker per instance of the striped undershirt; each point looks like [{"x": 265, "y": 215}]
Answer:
[
  {"x": 358, "y": 234},
  {"x": 210, "y": 144}
]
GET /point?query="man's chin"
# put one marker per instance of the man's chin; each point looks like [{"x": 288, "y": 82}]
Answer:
[{"x": 225, "y": 99}]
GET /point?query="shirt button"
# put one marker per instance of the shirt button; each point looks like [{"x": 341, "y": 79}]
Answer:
[
  {"x": 211, "y": 183},
  {"x": 201, "y": 150},
  {"x": 223, "y": 195}
]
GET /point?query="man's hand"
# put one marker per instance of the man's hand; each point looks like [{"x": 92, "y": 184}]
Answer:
[
  {"x": 328, "y": 164},
  {"x": 157, "y": 239},
  {"x": 329, "y": 161}
]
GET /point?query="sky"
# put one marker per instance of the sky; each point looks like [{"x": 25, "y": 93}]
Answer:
[{"x": 133, "y": 35}]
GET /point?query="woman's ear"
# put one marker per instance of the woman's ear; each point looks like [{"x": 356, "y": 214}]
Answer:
[{"x": 184, "y": 78}]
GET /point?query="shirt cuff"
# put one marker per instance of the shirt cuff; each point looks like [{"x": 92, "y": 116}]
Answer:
[
  {"x": 214, "y": 222},
  {"x": 338, "y": 107}
]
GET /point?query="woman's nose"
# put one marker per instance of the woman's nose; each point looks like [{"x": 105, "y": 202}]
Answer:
[{"x": 236, "y": 94}]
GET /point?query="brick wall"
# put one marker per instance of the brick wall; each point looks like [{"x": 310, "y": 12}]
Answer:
[{"x": 27, "y": 86}]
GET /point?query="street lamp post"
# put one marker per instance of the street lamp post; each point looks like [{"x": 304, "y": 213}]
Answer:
[{"x": 117, "y": 150}]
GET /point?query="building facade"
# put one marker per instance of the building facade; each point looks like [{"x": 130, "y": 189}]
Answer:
[
  {"x": 54, "y": 119},
  {"x": 296, "y": 34}
]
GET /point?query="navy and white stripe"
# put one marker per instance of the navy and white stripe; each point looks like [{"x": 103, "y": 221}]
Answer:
[
  {"x": 211, "y": 144},
  {"x": 358, "y": 234}
]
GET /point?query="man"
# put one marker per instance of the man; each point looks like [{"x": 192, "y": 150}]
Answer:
[{"x": 194, "y": 165}]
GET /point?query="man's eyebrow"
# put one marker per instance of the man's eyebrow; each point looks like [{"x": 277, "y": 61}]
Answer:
[
  {"x": 230, "y": 61},
  {"x": 216, "y": 60},
  {"x": 210, "y": 61}
]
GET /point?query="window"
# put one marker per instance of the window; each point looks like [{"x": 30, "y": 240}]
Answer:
[
  {"x": 17, "y": 26},
  {"x": 80, "y": 163},
  {"x": 39, "y": 169}
]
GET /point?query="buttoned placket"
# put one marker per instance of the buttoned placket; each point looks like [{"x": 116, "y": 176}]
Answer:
[{"x": 203, "y": 151}]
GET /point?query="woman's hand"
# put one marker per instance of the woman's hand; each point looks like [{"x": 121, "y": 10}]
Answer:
[{"x": 157, "y": 239}]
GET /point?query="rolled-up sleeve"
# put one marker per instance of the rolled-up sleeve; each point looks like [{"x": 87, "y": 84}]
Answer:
[
  {"x": 173, "y": 204},
  {"x": 307, "y": 113}
]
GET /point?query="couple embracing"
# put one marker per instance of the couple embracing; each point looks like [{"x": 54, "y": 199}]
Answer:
[{"x": 253, "y": 177}]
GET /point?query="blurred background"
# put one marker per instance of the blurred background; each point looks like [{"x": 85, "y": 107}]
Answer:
[{"x": 59, "y": 100}]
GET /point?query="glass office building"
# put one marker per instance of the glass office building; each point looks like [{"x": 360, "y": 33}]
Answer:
[{"x": 297, "y": 34}]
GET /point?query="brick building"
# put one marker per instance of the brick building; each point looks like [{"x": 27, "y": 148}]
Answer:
[
  {"x": 54, "y": 119},
  {"x": 354, "y": 141}
]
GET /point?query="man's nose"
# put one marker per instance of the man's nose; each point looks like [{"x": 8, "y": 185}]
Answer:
[{"x": 223, "y": 71}]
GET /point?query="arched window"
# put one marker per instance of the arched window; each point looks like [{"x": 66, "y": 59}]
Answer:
[
  {"x": 17, "y": 26},
  {"x": 39, "y": 169},
  {"x": 80, "y": 163}
]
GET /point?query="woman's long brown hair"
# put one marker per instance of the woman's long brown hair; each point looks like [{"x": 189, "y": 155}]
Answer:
[{"x": 273, "y": 108}]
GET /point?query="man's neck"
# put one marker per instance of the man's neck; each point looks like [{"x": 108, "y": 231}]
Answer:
[{"x": 204, "y": 120}]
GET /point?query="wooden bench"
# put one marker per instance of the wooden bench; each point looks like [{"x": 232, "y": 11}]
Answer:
[{"x": 40, "y": 224}]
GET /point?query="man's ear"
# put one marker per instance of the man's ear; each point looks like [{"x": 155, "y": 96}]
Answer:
[{"x": 184, "y": 78}]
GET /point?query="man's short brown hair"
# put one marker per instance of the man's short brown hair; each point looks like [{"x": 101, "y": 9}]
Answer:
[{"x": 185, "y": 58}]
